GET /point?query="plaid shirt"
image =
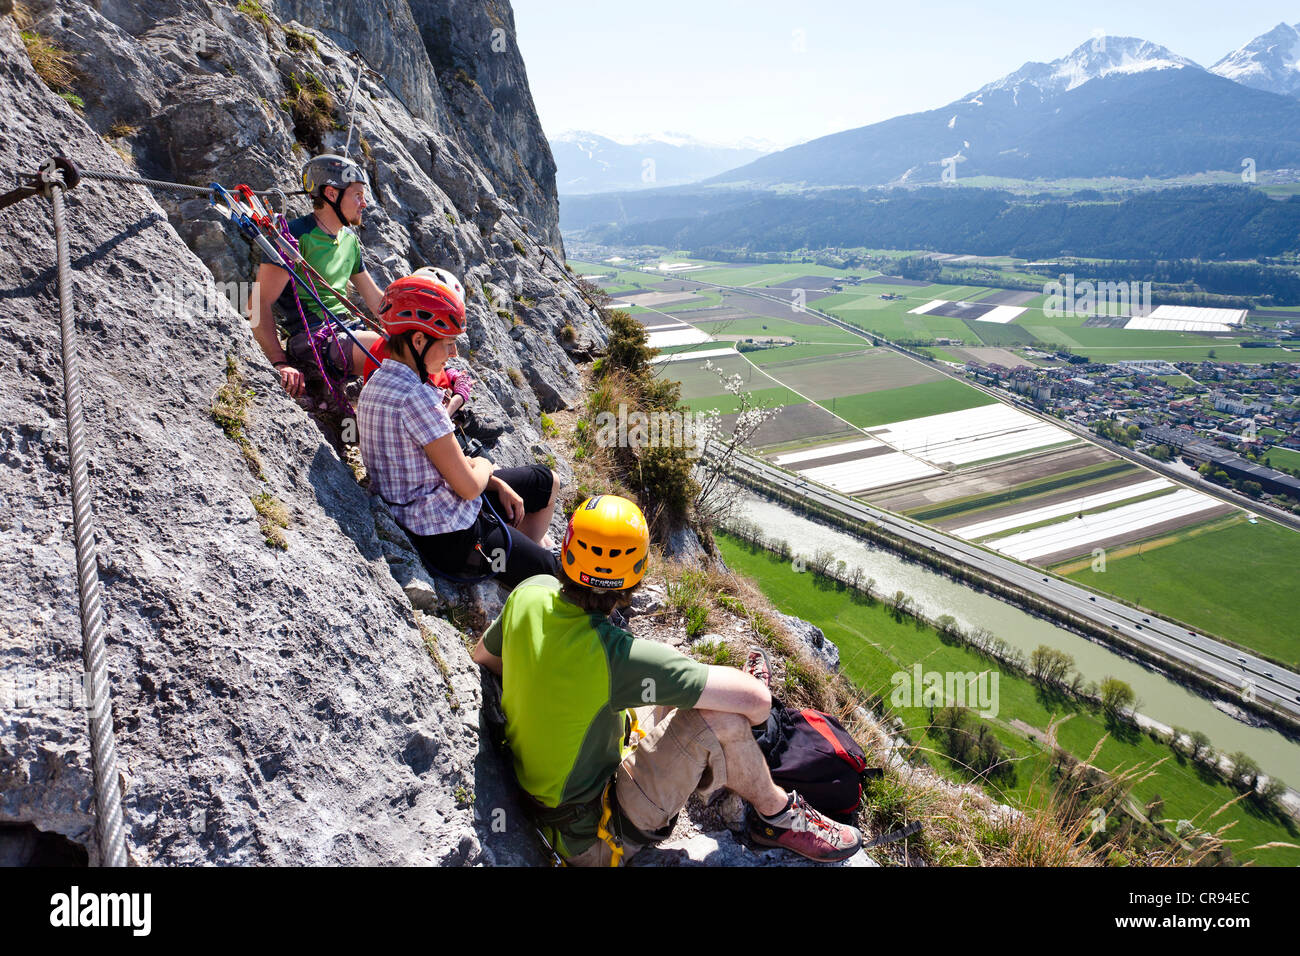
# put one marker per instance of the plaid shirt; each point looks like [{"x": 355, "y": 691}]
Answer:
[{"x": 396, "y": 417}]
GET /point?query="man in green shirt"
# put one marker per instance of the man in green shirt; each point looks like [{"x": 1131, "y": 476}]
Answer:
[
  {"x": 327, "y": 241},
  {"x": 570, "y": 682}
]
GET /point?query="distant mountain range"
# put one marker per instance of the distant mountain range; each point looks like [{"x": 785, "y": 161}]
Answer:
[
  {"x": 591, "y": 163},
  {"x": 1114, "y": 106}
]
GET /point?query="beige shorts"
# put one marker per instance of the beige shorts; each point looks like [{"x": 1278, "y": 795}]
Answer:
[{"x": 680, "y": 756}]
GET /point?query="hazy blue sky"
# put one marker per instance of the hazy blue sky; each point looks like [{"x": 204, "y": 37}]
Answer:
[{"x": 723, "y": 70}]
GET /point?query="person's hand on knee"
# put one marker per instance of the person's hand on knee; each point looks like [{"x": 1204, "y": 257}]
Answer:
[{"x": 512, "y": 503}]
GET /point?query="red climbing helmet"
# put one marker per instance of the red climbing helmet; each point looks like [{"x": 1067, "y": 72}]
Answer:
[{"x": 422, "y": 303}]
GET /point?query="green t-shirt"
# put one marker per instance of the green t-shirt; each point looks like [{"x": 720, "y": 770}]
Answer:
[
  {"x": 568, "y": 679},
  {"x": 337, "y": 258}
]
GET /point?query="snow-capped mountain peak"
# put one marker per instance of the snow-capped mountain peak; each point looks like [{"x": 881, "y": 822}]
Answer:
[
  {"x": 1097, "y": 57},
  {"x": 1269, "y": 62}
]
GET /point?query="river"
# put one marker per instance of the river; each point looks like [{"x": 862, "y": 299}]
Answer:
[{"x": 1162, "y": 700}]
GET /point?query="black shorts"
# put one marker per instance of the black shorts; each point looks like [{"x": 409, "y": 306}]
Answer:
[{"x": 455, "y": 552}]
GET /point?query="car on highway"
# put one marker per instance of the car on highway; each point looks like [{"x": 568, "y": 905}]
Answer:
[{"x": 1241, "y": 660}]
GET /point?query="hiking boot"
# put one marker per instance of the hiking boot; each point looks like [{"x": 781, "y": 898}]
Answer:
[
  {"x": 759, "y": 666},
  {"x": 803, "y": 830}
]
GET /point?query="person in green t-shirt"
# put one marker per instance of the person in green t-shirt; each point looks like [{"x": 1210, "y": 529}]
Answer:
[
  {"x": 327, "y": 241},
  {"x": 570, "y": 683}
]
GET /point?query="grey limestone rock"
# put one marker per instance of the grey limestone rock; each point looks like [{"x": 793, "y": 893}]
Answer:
[
  {"x": 814, "y": 641},
  {"x": 270, "y": 706}
]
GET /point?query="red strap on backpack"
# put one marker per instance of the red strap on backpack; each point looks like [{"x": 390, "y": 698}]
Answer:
[{"x": 817, "y": 721}]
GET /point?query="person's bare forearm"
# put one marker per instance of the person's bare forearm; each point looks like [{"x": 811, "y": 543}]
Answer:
[
  {"x": 730, "y": 691},
  {"x": 270, "y": 342},
  {"x": 481, "y": 655},
  {"x": 482, "y": 470}
]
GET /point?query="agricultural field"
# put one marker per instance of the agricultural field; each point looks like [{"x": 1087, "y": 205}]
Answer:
[
  {"x": 728, "y": 404},
  {"x": 896, "y": 319},
  {"x": 760, "y": 327},
  {"x": 977, "y": 433},
  {"x": 879, "y": 425},
  {"x": 770, "y": 274},
  {"x": 797, "y": 426},
  {"x": 670, "y": 335},
  {"x": 874, "y": 646},
  {"x": 789, "y": 353},
  {"x": 1031, "y": 479},
  {"x": 907, "y": 401},
  {"x": 706, "y": 349},
  {"x": 874, "y": 370},
  {"x": 1057, "y": 488},
  {"x": 1192, "y": 576},
  {"x": 855, "y": 466},
  {"x": 698, "y": 381},
  {"x": 1096, "y": 501},
  {"x": 1082, "y": 534}
]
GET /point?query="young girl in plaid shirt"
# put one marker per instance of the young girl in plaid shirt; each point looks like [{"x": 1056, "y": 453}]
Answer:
[{"x": 416, "y": 465}]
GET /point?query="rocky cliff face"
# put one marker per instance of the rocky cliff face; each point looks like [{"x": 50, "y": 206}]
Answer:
[
  {"x": 472, "y": 46},
  {"x": 271, "y": 706}
]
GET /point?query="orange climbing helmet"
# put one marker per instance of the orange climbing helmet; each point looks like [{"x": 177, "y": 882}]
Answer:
[
  {"x": 423, "y": 303},
  {"x": 606, "y": 544}
]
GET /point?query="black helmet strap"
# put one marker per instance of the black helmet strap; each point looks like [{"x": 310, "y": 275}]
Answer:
[
  {"x": 424, "y": 372},
  {"x": 408, "y": 342},
  {"x": 334, "y": 203}
]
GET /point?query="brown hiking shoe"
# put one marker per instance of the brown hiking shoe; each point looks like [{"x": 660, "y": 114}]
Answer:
[{"x": 803, "y": 830}]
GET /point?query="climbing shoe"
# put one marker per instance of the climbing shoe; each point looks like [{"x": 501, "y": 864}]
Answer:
[{"x": 801, "y": 829}]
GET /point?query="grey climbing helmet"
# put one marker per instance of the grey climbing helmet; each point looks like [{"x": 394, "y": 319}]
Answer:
[{"x": 330, "y": 169}]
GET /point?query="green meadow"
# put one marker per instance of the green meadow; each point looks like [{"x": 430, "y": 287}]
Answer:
[
  {"x": 875, "y": 646},
  {"x": 910, "y": 401}
]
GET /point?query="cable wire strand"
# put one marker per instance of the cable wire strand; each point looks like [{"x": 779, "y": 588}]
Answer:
[
  {"x": 161, "y": 184},
  {"x": 108, "y": 796}
]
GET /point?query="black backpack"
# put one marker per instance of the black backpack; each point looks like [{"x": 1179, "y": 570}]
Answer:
[{"x": 811, "y": 752}]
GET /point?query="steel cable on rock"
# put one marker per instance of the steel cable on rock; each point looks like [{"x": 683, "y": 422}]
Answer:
[
  {"x": 110, "y": 825},
  {"x": 161, "y": 184},
  {"x": 108, "y": 796}
]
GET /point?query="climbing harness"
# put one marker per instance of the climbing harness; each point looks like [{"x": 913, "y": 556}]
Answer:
[
  {"x": 322, "y": 338},
  {"x": 478, "y": 546},
  {"x": 602, "y": 828}
]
